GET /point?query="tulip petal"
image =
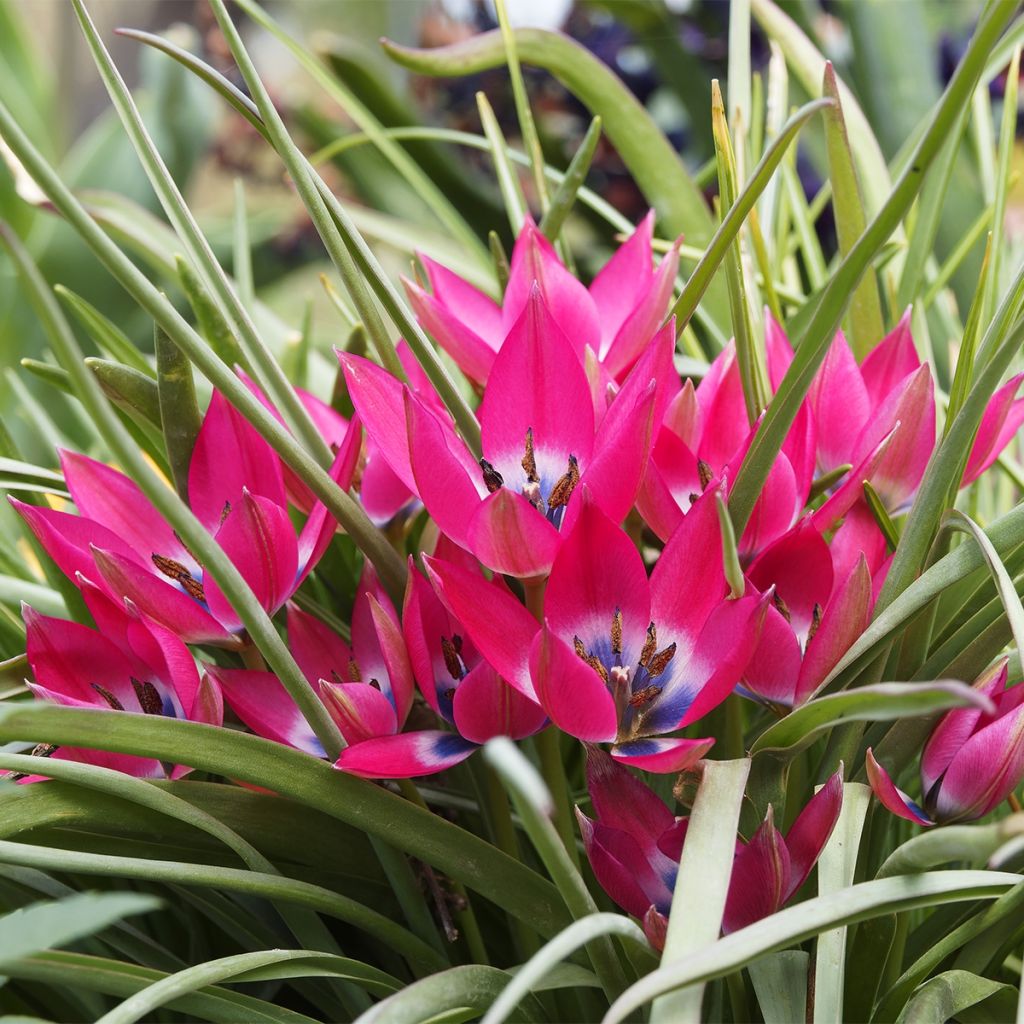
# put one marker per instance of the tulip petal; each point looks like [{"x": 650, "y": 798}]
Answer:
[
  {"x": 890, "y": 362},
  {"x": 623, "y": 282},
  {"x": 1000, "y": 422},
  {"x": 723, "y": 410},
  {"x": 660, "y": 755},
  {"x": 486, "y": 706},
  {"x": 479, "y": 312},
  {"x": 773, "y": 671},
  {"x": 510, "y": 536},
  {"x": 260, "y": 700},
  {"x": 622, "y": 801},
  {"x": 810, "y": 832},
  {"x": 889, "y": 796},
  {"x": 405, "y": 756},
  {"x": 359, "y": 710},
  {"x": 318, "y": 650},
  {"x": 499, "y": 626},
  {"x": 570, "y": 691},
  {"x": 381, "y": 490},
  {"x": 841, "y": 406},
  {"x": 760, "y": 876}
]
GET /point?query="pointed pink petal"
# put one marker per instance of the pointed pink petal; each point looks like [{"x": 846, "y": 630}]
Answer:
[
  {"x": 377, "y": 397},
  {"x": 535, "y": 264},
  {"x": 486, "y": 706},
  {"x": 623, "y": 282},
  {"x": 170, "y": 664},
  {"x": 425, "y": 621},
  {"x": 775, "y": 510},
  {"x": 114, "y": 501},
  {"x": 319, "y": 651},
  {"x": 890, "y": 362},
  {"x": 851, "y": 490},
  {"x": 912, "y": 406},
  {"x": 500, "y": 627},
  {"x": 510, "y": 536},
  {"x": 479, "y": 312},
  {"x": 671, "y": 478},
  {"x": 473, "y": 354},
  {"x": 405, "y": 756},
  {"x": 845, "y": 617},
  {"x": 760, "y": 874},
  {"x": 723, "y": 410},
  {"x": 774, "y": 668},
  {"x": 889, "y": 796},
  {"x": 359, "y": 710},
  {"x": 598, "y": 572},
  {"x": 684, "y": 589},
  {"x": 778, "y": 350},
  {"x": 381, "y": 491},
  {"x": 671, "y": 841},
  {"x": 570, "y": 691},
  {"x": 1000, "y": 422},
  {"x": 799, "y": 566},
  {"x": 683, "y": 415},
  {"x": 230, "y": 457},
  {"x": 537, "y": 383},
  {"x": 840, "y": 404},
  {"x": 859, "y": 535},
  {"x": 810, "y": 832},
  {"x": 661, "y": 756},
  {"x": 208, "y": 707},
  {"x": 622, "y": 801},
  {"x": 801, "y": 449},
  {"x": 655, "y": 928},
  {"x": 396, "y": 658},
  {"x": 160, "y": 599},
  {"x": 259, "y": 538}
]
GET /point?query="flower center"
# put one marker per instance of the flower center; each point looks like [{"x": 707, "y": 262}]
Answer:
[{"x": 179, "y": 573}]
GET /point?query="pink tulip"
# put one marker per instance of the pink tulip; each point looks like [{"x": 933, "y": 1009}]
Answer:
[
  {"x": 619, "y": 658},
  {"x": 133, "y": 664},
  {"x": 236, "y": 489},
  {"x": 634, "y": 844},
  {"x": 541, "y": 444},
  {"x": 972, "y": 762},
  {"x": 613, "y": 320}
]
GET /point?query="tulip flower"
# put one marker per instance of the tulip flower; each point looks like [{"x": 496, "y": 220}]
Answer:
[
  {"x": 236, "y": 489},
  {"x": 619, "y": 658},
  {"x": 813, "y": 618},
  {"x": 133, "y": 664},
  {"x": 634, "y": 844},
  {"x": 540, "y": 442},
  {"x": 973, "y": 760},
  {"x": 613, "y": 320}
]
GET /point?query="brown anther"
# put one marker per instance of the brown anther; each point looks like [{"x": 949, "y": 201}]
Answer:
[
  {"x": 577, "y": 646},
  {"x": 354, "y": 675},
  {"x": 617, "y": 632},
  {"x": 39, "y": 750},
  {"x": 225, "y": 512},
  {"x": 336, "y": 677},
  {"x": 529, "y": 462},
  {"x": 449, "y": 694},
  {"x": 650, "y": 645},
  {"x": 660, "y": 661},
  {"x": 375, "y": 683},
  {"x": 692, "y": 497},
  {"x": 780, "y": 606},
  {"x": 451, "y": 658},
  {"x": 705, "y": 473},
  {"x": 149, "y": 697},
  {"x": 566, "y": 484},
  {"x": 108, "y": 697},
  {"x": 598, "y": 666},
  {"x": 176, "y": 571},
  {"x": 815, "y": 621},
  {"x": 493, "y": 480},
  {"x": 457, "y": 643},
  {"x": 644, "y": 696}
]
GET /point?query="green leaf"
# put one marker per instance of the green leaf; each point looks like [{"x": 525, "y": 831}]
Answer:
[
  {"x": 780, "y": 982},
  {"x": 32, "y": 929},
  {"x": 106, "y": 334},
  {"x": 508, "y": 182},
  {"x": 865, "y": 315},
  {"x": 882, "y": 702},
  {"x": 946, "y": 996},
  {"x": 179, "y": 411},
  {"x": 702, "y": 884},
  {"x": 973, "y": 844},
  {"x": 795, "y": 924},
  {"x": 575, "y": 174}
]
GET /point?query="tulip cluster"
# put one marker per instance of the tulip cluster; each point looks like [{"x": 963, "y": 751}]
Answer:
[{"x": 577, "y": 574}]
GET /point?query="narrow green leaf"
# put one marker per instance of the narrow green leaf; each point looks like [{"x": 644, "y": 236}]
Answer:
[
  {"x": 131, "y": 390},
  {"x": 948, "y": 995},
  {"x": 179, "y": 411},
  {"x": 973, "y": 844},
  {"x": 881, "y": 515},
  {"x": 780, "y": 981},
  {"x": 502, "y": 270},
  {"x": 882, "y": 702},
  {"x": 575, "y": 174},
  {"x": 963, "y": 375},
  {"x": 702, "y": 884},
  {"x": 107, "y": 335},
  {"x": 730, "y": 553},
  {"x": 40, "y": 926},
  {"x": 213, "y": 327},
  {"x": 242, "y": 263},
  {"x": 866, "y": 329},
  {"x": 508, "y": 182}
]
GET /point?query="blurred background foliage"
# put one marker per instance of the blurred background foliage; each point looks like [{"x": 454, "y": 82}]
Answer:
[{"x": 896, "y": 56}]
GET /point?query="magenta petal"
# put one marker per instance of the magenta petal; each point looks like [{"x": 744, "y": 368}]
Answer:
[
  {"x": 890, "y": 362},
  {"x": 984, "y": 771},
  {"x": 1000, "y": 422},
  {"x": 479, "y": 312},
  {"x": 521, "y": 396},
  {"x": 263, "y": 704},
  {"x": 161, "y": 600},
  {"x": 599, "y": 572},
  {"x": 846, "y": 616},
  {"x": 425, "y": 623},
  {"x": 448, "y": 482},
  {"x": 570, "y": 691},
  {"x": 760, "y": 877},
  {"x": 841, "y": 405},
  {"x": 774, "y": 668},
  {"x": 229, "y": 458},
  {"x": 405, "y": 756},
  {"x": 396, "y": 658},
  {"x": 617, "y": 862},
  {"x": 319, "y": 651},
  {"x": 510, "y": 536},
  {"x": 377, "y": 397},
  {"x": 622, "y": 801},
  {"x": 889, "y": 796},
  {"x": 810, "y": 832},
  {"x": 778, "y": 350},
  {"x": 486, "y": 706},
  {"x": 259, "y": 538},
  {"x": 473, "y": 354},
  {"x": 623, "y": 282},
  {"x": 500, "y": 627},
  {"x": 775, "y": 510},
  {"x": 661, "y": 756},
  {"x": 535, "y": 265},
  {"x": 381, "y": 491},
  {"x": 359, "y": 710},
  {"x": 723, "y": 410}
]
